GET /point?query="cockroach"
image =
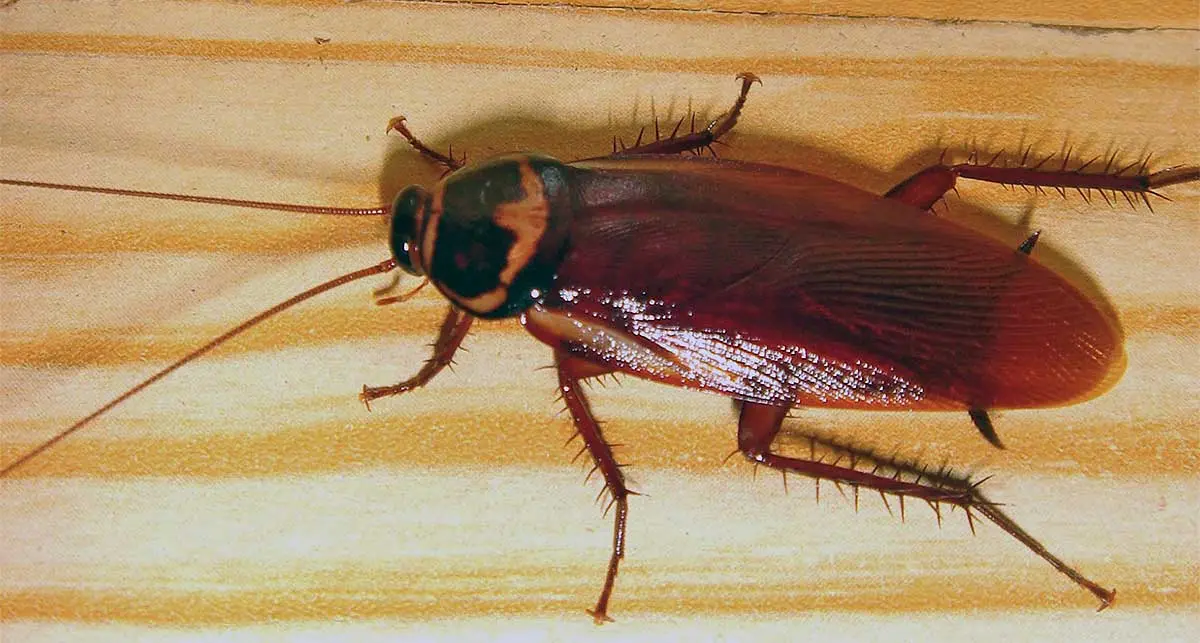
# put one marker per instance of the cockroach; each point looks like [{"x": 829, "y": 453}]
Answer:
[{"x": 774, "y": 287}]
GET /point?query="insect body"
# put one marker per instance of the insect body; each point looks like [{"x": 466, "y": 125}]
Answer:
[{"x": 772, "y": 286}]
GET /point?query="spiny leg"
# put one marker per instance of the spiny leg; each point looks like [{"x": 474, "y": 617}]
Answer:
[
  {"x": 454, "y": 330},
  {"x": 445, "y": 160},
  {"x": 570, "y": 372},
  {"x": 694, "y": 141},
  {"x": 928, "y": 186},
  {"x": 759, "y": 424}
]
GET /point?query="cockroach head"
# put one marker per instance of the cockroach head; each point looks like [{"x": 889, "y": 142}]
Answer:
[
  {"x": 491, "y": 236},
  {"x": 408, "y": 212}
]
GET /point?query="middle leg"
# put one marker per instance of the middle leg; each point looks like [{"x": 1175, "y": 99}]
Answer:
[
  {"x": 693, "y": 141},
  {"x": 570, "y": 372}
]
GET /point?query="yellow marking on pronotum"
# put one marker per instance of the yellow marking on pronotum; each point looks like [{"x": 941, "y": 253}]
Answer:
[
  {"x": 527, "y": 219},
  {"x": 429, "y": 228}
]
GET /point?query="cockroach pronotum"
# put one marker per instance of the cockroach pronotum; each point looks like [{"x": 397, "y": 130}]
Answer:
[{"x": 774, "y": 287}]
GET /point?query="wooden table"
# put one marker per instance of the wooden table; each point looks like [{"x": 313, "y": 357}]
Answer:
[{"x": 251, "y": 494}]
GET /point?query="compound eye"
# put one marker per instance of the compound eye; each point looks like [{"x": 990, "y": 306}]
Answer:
[{"x": 407, "y": 214}]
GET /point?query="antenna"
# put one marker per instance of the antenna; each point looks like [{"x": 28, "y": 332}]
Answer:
[
  {"x": 214, "y": 200},
  {"x": 379, "y": 268}
]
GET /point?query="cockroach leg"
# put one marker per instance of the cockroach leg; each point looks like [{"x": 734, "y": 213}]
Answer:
[
  {"x": 382, "y": 300},
  {"x": 570, "y": 372},
  {"x": 445, "y": 160},
  {"x": 726, "y": 121},
  {"x": 454, "y": 330},
  {"x": 696, "y": 141},
  {"x": 759, "y": 424},
  {"x": 983, "y": 422},
  {"x": 924, "y": 188}
]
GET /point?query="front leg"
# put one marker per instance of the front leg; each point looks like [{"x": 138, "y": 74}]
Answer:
[
  {"x": 570, "y": 372},
  {"x": 445, "y": 160},
  {"x": 454, "y": 330}
]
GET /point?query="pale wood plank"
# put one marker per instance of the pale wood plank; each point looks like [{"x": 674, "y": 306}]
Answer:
[
  {"x": 253, "y": 488},
  {"x": 1071, "y": 13}
]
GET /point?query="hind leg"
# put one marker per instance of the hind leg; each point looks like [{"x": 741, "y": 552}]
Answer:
[{"x": 758, "y": 425}]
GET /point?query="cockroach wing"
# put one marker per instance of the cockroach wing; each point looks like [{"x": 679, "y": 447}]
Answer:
[{"x": 773, "y": 285}]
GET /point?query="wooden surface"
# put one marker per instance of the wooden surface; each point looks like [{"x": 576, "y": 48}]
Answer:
[{"x": 251, "y": 495}]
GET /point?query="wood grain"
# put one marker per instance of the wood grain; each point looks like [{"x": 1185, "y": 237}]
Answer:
[{"x": 252, "y": 495}]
